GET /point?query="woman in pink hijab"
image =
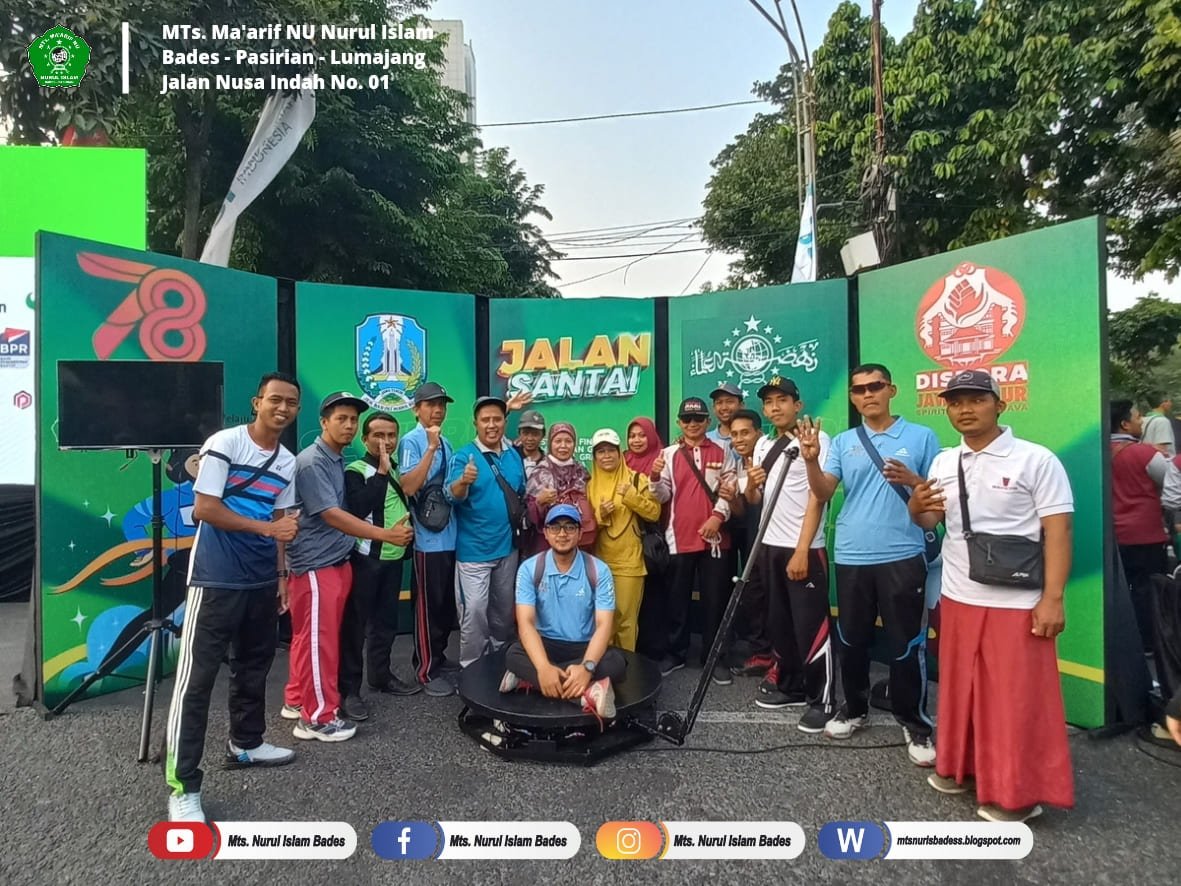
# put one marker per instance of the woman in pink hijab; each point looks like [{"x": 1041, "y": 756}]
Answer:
[
  {"x": 643, "y": 445},
  {"x": 559, "y": 478}
]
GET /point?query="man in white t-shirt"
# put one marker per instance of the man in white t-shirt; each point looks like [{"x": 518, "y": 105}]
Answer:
[
  {"x": 237, "y": 587},
  {"x": 793, "y": 565},
  {"x": 1002, "y": 726}
]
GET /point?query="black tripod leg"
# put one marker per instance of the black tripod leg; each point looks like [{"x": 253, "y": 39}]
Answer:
[
  {"x": 145, "y": 730},
  {"x": 110, "y": 663}
]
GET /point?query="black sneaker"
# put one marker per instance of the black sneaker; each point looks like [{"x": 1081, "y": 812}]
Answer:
[
  {"x": 773, "y": 698},
  {"x": 668, "y": 664},
  {"x": 815, "y": 718},
  {"x": 354, "y": 708},
  {"x": 722, "y": 676},
  {"x": 394, "y": 686}
]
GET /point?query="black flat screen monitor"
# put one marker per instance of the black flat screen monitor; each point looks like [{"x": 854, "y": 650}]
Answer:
[{"x": 137, "y": 404}]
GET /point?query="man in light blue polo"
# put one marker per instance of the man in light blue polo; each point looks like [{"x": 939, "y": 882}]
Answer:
[
  {"x": 423, "y": 456},
  {"x": 486, "y": 485},
  {"x": 880, "y": 563}
]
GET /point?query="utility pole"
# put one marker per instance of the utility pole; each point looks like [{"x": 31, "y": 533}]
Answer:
[
  {"x": 805, "y": 105},
  {"x": 877, "y": 192}
]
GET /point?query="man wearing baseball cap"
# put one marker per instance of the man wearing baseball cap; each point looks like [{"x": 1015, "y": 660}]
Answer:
[
  {"x": 423, "y": 455},
  {"x": 727, "y": 399},
  {"x": 321, "y": 575},
  {"x": 565, "y": 610},
  {"x": 530, "y": 430},
  {"x": 1002, "y": 727},
  {"x": 692, "y": 474},
  {"x": 794, "y": 566}
]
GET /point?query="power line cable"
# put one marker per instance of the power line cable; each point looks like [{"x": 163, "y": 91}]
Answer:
[{"x": 753, "y": 101}]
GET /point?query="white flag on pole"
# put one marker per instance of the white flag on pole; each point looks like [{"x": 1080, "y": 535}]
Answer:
[
  {"x": 282, "y": 123},
  {"x": 804, "y": 270}
]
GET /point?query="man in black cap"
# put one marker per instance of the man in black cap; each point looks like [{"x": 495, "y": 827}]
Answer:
[
  {"x": 321, "y": 575},
  {"x": 695, "y": 476},
  {"x": 423, "y": 456},
  {"x": 530, "y": 430},
  {"x": 794, "y": 567}
]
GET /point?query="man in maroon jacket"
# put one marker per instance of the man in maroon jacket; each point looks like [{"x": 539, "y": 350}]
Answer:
[
  {"x": 1137, "y": 474},
  {"x": 690, "y": 474}
]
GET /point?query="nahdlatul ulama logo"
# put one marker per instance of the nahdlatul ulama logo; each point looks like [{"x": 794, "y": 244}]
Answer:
[
  {"x": 751, "y": 353},
  {"x": 15, "y": 348},
  {"x": 391, "y": 360},
  {"x": 966, "y": 320}
]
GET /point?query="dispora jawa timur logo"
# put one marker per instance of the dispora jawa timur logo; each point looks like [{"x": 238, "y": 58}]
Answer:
[{"x": 967, "y": 320}]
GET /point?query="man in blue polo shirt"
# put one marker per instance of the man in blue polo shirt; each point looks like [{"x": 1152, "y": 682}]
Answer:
[
  {"x": 486, "y": 484},
  {"x": 880, "y": 564},
  {"x": 565, "y": 618},
  {"x": 423, "y": 456}
]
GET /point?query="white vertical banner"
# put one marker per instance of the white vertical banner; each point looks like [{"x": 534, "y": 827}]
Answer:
[
  {"x": 804, "y": 270},
  {"x": 282, "y": 123}
]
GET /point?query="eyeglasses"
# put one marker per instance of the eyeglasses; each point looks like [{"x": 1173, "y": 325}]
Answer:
[
  {"x": 693, "y": 419},
  {"x": 872, "y": 388},
  {"x": 563, "y": 528}
]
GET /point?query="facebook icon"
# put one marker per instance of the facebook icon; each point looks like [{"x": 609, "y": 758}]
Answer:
[
  {"x": 859, "y": 840},
  {"x": 414, "y": 840}
]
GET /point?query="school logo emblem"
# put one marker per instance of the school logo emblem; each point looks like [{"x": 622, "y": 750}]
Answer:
[
  {"x": 59, "y": 58},
  {"x": 391, "y": 360},
  {"x": 749, "y": 353},
  {"x": 970, "y": 317}
]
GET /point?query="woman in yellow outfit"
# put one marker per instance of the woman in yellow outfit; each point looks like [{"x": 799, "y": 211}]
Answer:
[{"x": 621, "y": 498}]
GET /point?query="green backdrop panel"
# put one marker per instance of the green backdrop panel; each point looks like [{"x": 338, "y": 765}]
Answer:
[
  {"x": 94, "y": 302},
  {"x": 1031, "y": 308},
  {"x": 587, "y": 361}
]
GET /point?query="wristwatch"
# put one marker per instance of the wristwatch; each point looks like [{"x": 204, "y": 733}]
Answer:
[
  {"x": 284, "y": 573},
  {"x": 590, "y": 665}
]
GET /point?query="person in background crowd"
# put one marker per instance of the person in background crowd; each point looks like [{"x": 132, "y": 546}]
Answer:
[
  {"x": 727, "y": 400},
  {"x": 558, "y": 479},
  {"x": 486, "y": 483},
  {"x": 1157, "y": 426},
  {"x": 746, "y": 429},
  {"x": 880, "y": 557},
  {"x": 795, "y": 563},
  {"x": 643, "y": 446},
  {"x": 690, "y": 476},
  {"x": 322, "y": 575},
  {"x": 237, "y": 585},
  {"x": 565, "y": 609},
  {"x": 370, "y": 623},
  {"x": 424, "y": 455},
  {"x": 1138, "y": 472},
  {"x": 621, "y": 498},
  {"x": 530, "y": 430},
  {"x": 1002, "y": 728}
]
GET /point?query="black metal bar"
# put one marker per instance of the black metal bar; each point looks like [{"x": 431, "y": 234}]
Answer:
[{"x": 660, "y": 345}]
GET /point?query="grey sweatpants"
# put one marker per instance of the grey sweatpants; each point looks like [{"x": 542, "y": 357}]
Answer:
[{"x": 485, "y": 600}]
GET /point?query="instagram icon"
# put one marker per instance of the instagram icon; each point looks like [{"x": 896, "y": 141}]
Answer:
[{"x": 629, "y": 840}]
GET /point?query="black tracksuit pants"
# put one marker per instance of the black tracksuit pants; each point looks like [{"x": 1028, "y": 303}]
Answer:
[
  {"x": 370, "y": 617},
  {"x": 798, "y": 620}
]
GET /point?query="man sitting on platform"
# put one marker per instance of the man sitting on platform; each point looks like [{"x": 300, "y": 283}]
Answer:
[{"x": 565, "y": 617}]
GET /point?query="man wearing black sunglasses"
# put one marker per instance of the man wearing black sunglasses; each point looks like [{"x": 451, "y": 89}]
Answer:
[
  {"x": 880, "y": 563},
  {"x": 697, "y": 478}
]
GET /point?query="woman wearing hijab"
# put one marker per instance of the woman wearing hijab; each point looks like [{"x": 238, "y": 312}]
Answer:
[
  {"x": 643, "y": 445},
  {"x": 621, "y": 498},
  {"x": 643, "y": 448},
  {"x": 558, "y": 479}
]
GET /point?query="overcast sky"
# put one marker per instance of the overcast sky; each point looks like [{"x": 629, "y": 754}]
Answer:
[{"x": 543, "y": 59}]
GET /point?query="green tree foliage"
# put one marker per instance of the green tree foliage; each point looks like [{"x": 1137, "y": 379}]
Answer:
[
  {"x": 1141, "y": 339},
  {"x": 390, "y": 186},
  {"x": 1001, "y": 116}
]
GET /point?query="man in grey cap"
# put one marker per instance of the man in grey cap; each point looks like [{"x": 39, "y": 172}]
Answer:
[
  {"x": 727, "y": 400},
  {"x": 321, "y": 574},
  {"x": 423, "y": 455},
  {"x": 530, "y": 430}
]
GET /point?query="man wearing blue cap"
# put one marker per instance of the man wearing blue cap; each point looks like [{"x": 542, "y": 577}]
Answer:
[{"x": 565, "y": 617}]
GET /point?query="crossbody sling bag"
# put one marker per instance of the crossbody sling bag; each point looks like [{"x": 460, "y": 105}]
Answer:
[
  {"x": 431, "y": 509},
  {"x": 933, "y": 543},
  {"x": 1010, "y": 560},
  {"x": 512, "y": 501}
]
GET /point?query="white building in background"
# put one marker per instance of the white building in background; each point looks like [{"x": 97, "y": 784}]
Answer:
[{"x": 459, "y": 70}]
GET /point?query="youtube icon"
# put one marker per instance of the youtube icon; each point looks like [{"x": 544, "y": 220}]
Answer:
[{"x": 171, "y": 839}]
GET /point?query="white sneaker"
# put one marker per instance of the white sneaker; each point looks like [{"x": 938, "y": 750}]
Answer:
[
  {"x": 334, "y": 730},
  {"x": 263, "y": 755},
  {"x": 842, "y": 725},
  {"x": 185, "y": 807},
  {"x": 290, "y": 712},
  {"x": 509, "y": 682},
  {"x": 599, "y": 699},
  {"x": 921, "y": 750}
]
